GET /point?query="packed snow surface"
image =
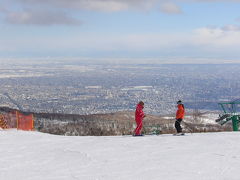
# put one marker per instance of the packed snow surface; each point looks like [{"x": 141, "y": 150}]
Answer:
[{"x": 38, "y": 156}]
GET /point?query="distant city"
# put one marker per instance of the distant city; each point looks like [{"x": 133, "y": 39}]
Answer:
[{"x": 82, "y": 88}]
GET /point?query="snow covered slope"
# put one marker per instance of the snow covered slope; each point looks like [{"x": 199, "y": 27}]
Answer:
[{"x": 37, "y": 156}]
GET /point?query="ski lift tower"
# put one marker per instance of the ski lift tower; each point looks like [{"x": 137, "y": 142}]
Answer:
[{"x": 231, "y": 112}]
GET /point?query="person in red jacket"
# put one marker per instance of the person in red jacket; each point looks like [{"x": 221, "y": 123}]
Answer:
[
  {"x": 179, "y": 116},
  {"x": 139, "y": 115}
]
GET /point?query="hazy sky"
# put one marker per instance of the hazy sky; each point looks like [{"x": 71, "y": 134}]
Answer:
[{"x": 130, "y": 29}]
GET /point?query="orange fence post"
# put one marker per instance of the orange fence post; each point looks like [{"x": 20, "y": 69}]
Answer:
[
  {"x": 17, "y": 118},
  {"x": 32, "y": 121}
]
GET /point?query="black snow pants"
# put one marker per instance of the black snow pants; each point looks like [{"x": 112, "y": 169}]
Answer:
[{"x": 178, "y": 125}]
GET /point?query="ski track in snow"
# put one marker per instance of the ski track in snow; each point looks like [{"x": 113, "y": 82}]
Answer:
[{"x": 38, "y": 156}]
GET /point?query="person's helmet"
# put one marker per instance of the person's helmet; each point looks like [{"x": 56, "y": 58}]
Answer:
[
  {"x": 141, "y": 103},
  {"x": 179, "y": 102}
]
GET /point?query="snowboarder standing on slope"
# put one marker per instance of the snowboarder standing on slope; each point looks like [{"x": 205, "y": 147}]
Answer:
[
  {"x": 139, "y": 115},
  {"x": 179, "y": 116}
]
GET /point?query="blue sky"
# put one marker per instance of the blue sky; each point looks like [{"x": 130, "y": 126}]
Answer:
[{"x": 151, "y": 30}]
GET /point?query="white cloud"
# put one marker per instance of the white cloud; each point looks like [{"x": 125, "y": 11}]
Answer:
[
  {"x": 110, "y": 6},
  {"x": 95, "y": 5},
  {"x": 226, "y": 1},
  {"x": 203, "y": 42},
  {"x": 217, "y": 38},
  {"x": 231, "y": 27},
  {"x": 75, "y": 6},
  {"x": 40, "y": 18},
  {"x": 170, "y": 8},
  {"x": 50, "y": 12},
  {"x": 167, "y": 6},
  {"x": 3, "y": 9}
]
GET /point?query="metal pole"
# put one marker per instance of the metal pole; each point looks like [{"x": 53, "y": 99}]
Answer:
[{"x": 235, "y": 123}]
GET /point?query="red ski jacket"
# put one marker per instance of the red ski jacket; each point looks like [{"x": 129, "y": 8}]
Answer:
[
  {"x": 180, "y": 112},
  {"x": 139, "y": 114}
]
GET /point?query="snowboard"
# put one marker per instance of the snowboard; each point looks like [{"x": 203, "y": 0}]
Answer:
[
  {"x": 138, "y": 135},
  {"x": 179, "y": 134}
]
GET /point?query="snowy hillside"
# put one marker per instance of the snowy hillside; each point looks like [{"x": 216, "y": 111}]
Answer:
[{"x": 38, "y": 156}]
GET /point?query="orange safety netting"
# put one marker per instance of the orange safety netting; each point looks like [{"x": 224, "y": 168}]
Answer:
[
  {"x": 15, "y": 119},
  {"x": 11, "y": 119},
  {"x": 25, "y": 122},
  {"x": 3, "y": 123}
]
